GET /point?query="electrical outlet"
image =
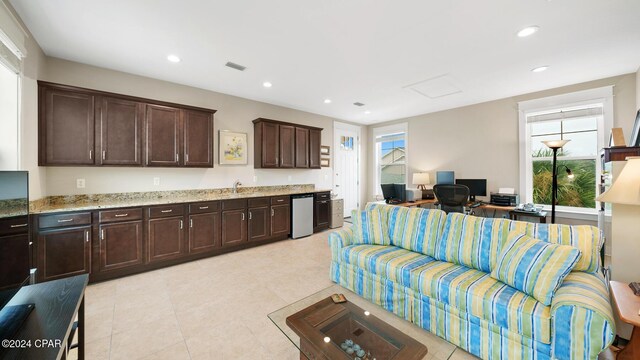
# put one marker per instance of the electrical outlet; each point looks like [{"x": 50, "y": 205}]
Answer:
[
  {"x": 156, "y": 181},
  {"x": 255, "y": 179},
  {"x": 289, "y": 178},
  {"x": 326, "y": 177},
  {"x": 80, "y": 183}
]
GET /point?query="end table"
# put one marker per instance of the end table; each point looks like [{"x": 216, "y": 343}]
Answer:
[{"x": 627, "y": 304}]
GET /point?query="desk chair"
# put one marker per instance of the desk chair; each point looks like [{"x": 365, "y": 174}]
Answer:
[{"x": 452, "y": 198}]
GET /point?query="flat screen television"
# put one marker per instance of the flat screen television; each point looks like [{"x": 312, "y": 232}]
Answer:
[
  {"x": 477, "y": 187},
  {"x": 14, "y": 248}
]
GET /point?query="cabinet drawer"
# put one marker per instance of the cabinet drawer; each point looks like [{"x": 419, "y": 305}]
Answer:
[
  {"x": 204, "y": 207},
  {"x": 166, "y": 211},
  {"x": 236, "y": 204},
  {"x": 323, "y": 196},
  {"x": 120, "y": 215},
  {"x": 60, "y": 220},
  {"x": 280, "y": 200},
  {"x": 14, "y": 225},
  {"x": 259, "y": 202}
]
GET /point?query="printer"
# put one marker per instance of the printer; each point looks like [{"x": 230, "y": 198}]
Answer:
[{"x": 502, "y": 199}]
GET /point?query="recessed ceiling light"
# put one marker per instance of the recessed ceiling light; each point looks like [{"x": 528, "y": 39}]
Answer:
[
  {"x": 266, "y": 84},
  {"x": 173, "y": 58},
  {"x": 540, "y": 69},
  {"x": 367, "y": 112},
  {"x": 529, "y": 30},
  {"x": 327, "y": 101}
]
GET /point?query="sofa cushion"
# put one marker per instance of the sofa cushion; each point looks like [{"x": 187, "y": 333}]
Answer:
[
  {"x": 471, "y": 241},
  {"x": 469, "y": 290},
  {"x": 370, "y": 226},
  {"x": 415, "y": 229},
  {"x": 476, "y": 242},
  {"x": 534, "y": 267}
]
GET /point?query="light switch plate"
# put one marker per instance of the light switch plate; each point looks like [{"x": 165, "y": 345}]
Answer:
[
  {"x": 156, "y": 181},
  {"x": 80, "y": 183}
]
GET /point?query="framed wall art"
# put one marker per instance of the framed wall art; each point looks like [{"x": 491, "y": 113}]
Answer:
[{"x": 232, "y": 148}]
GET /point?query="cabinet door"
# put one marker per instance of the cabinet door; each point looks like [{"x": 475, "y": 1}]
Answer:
[
  {"x": 198, "y": 138},
  {"x": 162, "y": 136},
  {"x": 314, "y": 148},
  {"x": 204, "y": 232},
  {"x": 280, "y": 220},
  {"x": 259, "y": 223},
  {"x": 302, "y": 147},
  {"x": 270, "y": 145},
  {"x": 14, "y": 260},
  {"x": 234, "y": 227},
  {"x": 166, "y": 236},
  {"x": 120, "y": 245},
  {"x": 287, "y": 146},
  {"x": 321, "y": 214},
  {"x": 68, "y": 123},
  {"x": 120, "y": 132},
  {"x": 63, "y": 253}
]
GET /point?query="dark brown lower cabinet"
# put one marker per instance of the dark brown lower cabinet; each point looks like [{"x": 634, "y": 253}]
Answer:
[
  {"x": 234, "y": 227},
  {"x": 259, "y": 223},
  {"x": 63, "y": 252},
  {"x": 120, "y": 245},
  {"x": 280, "y": 220},
  {"x": 204, "y": 232},
  {"x": 166, "y": 238},
  {"x": 14, "y": 256},
  {"x": 321, "y": 215}
]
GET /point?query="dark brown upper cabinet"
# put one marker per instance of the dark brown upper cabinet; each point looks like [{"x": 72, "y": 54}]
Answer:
[
  {"x": 285, "y": 145},
  {"x": 302, "y": 147},
  {"x": 198, "y": 139},
  {"x": 163, "y": 133},
  {"x": 88, "y": 127},
  {"x": 314, "y": 148},
  {"x": 120, "y": 131},
  {"x": 66, "y": 128}
]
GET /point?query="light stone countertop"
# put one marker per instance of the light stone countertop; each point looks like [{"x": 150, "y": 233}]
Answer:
[{"x": 54, "y": 204}]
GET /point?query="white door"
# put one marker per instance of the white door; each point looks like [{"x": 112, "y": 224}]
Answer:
[{"x": 346, "y": 165}]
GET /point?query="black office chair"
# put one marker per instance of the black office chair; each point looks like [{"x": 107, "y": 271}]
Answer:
[{"x": 452, "y": 198}]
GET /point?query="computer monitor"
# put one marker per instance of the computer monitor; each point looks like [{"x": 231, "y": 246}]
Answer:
[
  {"x": 394, "y": 193},
  {"x": 477, "y": 187},
  {"x": 445, "y": 177},
  {"x": 388, "y": 192},
  {"x": 401, "y": 192}
]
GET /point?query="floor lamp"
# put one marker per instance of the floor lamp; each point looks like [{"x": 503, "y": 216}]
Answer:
[{"x": 555, "y": 145}]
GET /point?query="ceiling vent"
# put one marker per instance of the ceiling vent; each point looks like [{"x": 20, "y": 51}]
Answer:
[
  {"x": 437, "y": 87},
  {"x": 235, "y": 66},
  {"x": 357, "y": 103}
]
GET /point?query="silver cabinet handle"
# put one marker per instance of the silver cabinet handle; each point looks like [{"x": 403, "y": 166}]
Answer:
[
  {"x": 166, "y": 211},
  {"x": 102, "y": 234},
  {"x": 272, "y": 212},
  {"x": 86, "y": 236},
  {"x": 104, "y": 154},
  {"x": 90, "y": 154},
  {"x": 203, "y": 207},
  {"x": 121, "y": 215},
  {"x": 280, "y": 200},
  {"x": 64, "y": 220},
  {"x": 186, "y": 158},
  {"x": 177, "y": 157},
  {"x": 181, "y": 224},
  {"x": 18, "y": 226},
  {"x": 191, "y": 223},
  {"x": 250, "y": 215},
  {"x": 242, "y": 216}
]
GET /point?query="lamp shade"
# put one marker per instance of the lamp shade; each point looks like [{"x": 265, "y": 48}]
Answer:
[
  {"x": 555, "y": 144},
  {"x": 421, "y": 178},
  {"x": 626, "y": 188}
]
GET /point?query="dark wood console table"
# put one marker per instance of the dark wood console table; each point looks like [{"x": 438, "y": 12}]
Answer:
[{"x": 50, "y": 326}]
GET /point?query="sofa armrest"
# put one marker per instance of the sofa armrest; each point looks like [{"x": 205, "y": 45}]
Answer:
[
  {"x": 339, "y": 239},
  {"x": 581, "y": 317}
]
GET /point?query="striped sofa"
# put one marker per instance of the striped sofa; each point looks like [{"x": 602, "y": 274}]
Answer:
[{"x": 433, "y": 270}]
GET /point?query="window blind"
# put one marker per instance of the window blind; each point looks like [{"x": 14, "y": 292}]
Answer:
[
  {"x": 566, "y": 114},
  {"x": 390, "y": 137}
]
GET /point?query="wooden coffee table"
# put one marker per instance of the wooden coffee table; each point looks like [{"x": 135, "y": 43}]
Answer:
[{"x": 319, "y": 328}]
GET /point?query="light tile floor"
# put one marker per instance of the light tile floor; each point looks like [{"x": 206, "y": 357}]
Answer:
[{"x": 215, "y": 308}]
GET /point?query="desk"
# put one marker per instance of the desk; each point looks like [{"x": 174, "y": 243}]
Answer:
[
  {"x": 627, "y": 306},
  {"x": 433, "y": 201},
  {"x": 57, "y": 304},
  {"x": 540, "y": 215}
]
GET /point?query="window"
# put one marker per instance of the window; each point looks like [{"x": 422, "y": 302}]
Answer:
[
  {"x": 582, "y": 123},
  {"x": 8, "y": 119},
  {"x": 391, "y": 155}
]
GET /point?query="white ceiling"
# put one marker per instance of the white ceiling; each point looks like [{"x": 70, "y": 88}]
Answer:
[{"x": 355, "y": 50}]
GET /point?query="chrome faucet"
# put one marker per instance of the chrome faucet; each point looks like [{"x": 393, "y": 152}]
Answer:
[{"x": 235, "y": 186}]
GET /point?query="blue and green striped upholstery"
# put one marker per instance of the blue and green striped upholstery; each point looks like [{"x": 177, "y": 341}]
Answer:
[
  {"x": 371, "y": 226},
  {"x": 415, "y": 229},
  {"x": 534, "y": 267}
]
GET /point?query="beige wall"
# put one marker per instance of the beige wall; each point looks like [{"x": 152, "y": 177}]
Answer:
[
  {"x": 481, "y": 140},
  {"x": 233, "y": 113}
]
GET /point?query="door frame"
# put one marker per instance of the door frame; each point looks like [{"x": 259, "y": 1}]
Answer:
[{"x": 336, "y": 145}]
